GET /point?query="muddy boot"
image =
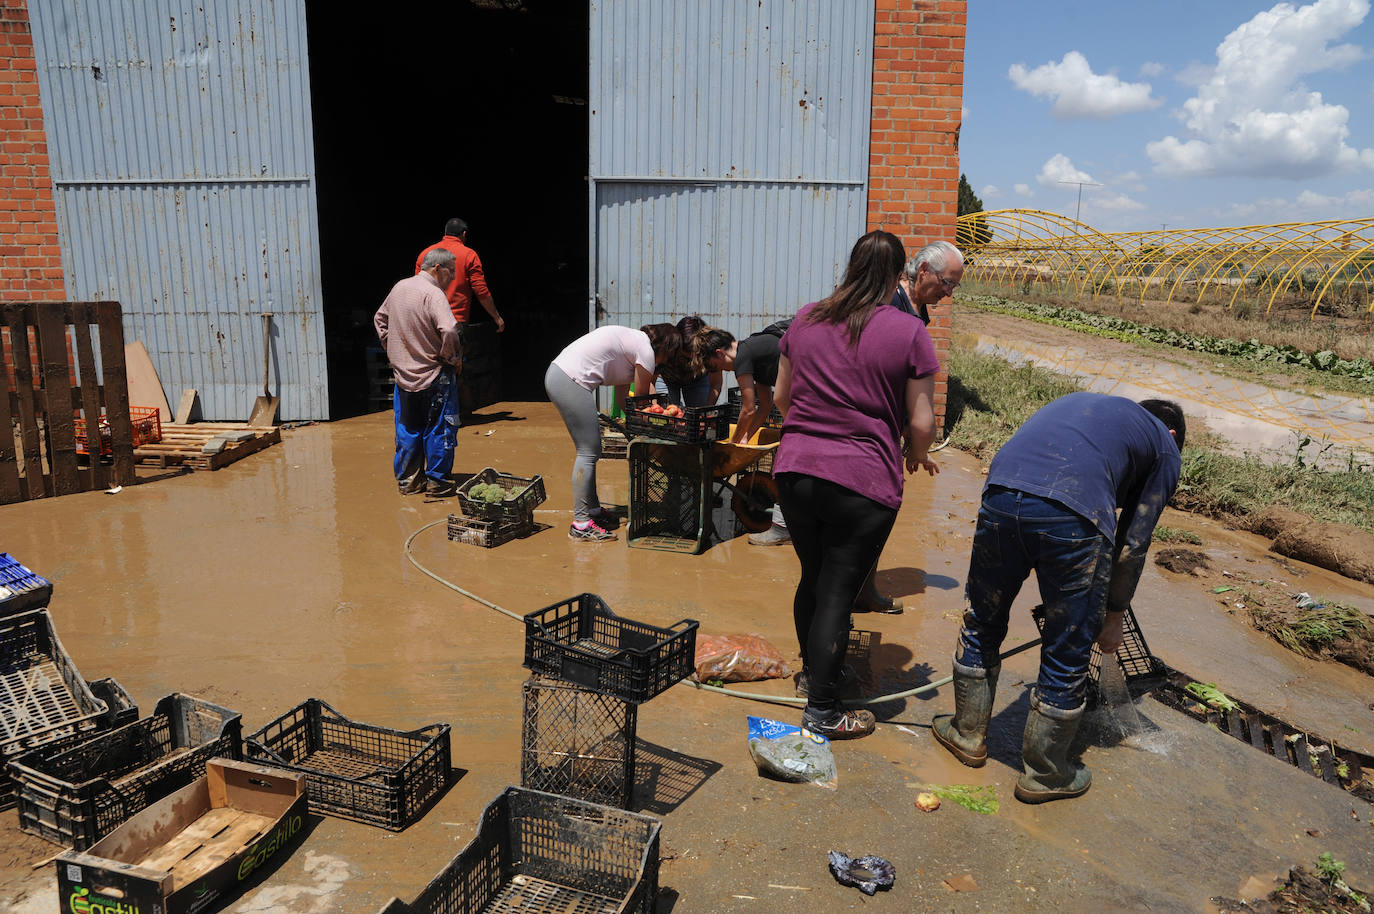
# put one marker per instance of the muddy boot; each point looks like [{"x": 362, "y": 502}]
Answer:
[
  {"x": 964, "y": 733},
  {"x": 1049, "y": 774}
]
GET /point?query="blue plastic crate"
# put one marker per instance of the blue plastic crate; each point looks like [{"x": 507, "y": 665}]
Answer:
[{"x": 21, "y": 589}]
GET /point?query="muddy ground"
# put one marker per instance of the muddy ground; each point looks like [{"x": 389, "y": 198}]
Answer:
[{"x": 283, "y": 577}]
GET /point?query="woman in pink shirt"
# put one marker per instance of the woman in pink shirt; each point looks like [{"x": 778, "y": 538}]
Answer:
[
  {"x": 609, "y": 356},
  {"x": 854, "y": 379}
]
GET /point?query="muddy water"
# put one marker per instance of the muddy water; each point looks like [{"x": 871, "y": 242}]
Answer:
[{"x": 283, "y": 577}]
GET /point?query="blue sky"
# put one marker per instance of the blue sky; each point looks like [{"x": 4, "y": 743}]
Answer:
[{"x": 1190, "y": 114}]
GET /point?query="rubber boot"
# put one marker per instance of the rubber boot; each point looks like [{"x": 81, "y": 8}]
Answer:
[
  {"x": 964, "y": 733},
  {"x": 1049, "y": 775}
]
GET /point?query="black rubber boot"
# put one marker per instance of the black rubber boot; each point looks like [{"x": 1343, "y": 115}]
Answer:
[
  {"x": 1049, "y": 775},
  {"x": 964, "y": 733}
]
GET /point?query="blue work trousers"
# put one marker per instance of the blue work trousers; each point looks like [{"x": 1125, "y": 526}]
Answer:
[
  {"x": 1018, "y": 532},
  {"x": 427, "y": 428}
]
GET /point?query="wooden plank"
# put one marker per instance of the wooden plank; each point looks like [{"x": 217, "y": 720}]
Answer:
[
  {"x": 145, "y": 388},
  {"x": 242, "y": 449},
  {"x": 57, "y": 390},
  {"x": 9, "y": 454},
  {"x": 17, "y": 318},
  {"x": 243, "y": 832},
  {"x": 110, "y": 317},
  {"x": 90, "y": 395},
  {"x": 186, "y": 407},
  {"x": 200, "y": 833}
]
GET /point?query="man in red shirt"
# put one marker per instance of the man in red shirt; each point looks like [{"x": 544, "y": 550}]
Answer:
[{"x": 469, "y": 281}]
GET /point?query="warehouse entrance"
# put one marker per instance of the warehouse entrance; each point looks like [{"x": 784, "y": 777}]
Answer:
[{"x": 424, "y": 111}]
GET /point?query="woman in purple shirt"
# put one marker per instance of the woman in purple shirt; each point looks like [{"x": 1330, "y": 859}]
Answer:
[{"x": 854, "y": 379}]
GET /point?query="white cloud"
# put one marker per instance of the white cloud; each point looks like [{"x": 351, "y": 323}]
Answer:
[
  {"x": 1059, "y": 168},
  {"x": 1252, "y": 116},
  {"x": 1307, "y": 206},
  {"x": 963, "y": 113},
  {"x": 1079, "y": 92},
  {"x": 1119, "y": 202},
  {"x": 1023, "y": 190},
  {"x": 990, "y": 190},
  {"x": 1151, "y": 68},
  {"x": 1194, "y": 74}
]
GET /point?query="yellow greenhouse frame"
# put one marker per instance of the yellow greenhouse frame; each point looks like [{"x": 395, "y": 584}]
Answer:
[{"x": 1282, "y": 263}]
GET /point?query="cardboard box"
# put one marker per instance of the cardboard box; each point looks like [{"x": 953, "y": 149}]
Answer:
[{"x": 189, "y": 850}]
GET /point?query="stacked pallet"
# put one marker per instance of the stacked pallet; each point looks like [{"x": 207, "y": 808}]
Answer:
[{"x": 206, "y": 445}]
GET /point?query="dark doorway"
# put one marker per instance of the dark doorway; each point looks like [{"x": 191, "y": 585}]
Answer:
[{"x": 470, "y": 108}]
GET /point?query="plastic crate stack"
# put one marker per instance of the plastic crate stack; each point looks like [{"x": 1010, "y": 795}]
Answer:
[
  {"x": 20, "y": 588},
  {"x": 489, "y": 523},
  {"x": 592, "y": 670}
]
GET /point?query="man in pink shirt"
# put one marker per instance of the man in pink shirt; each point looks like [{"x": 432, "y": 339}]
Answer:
[{"x": 420, "y": 336}]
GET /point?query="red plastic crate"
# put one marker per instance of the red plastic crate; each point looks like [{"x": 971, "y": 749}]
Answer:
[{"x": 146, "y": 421}]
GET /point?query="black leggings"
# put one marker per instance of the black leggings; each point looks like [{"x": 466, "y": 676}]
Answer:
[{"x": 838, "y": 535}]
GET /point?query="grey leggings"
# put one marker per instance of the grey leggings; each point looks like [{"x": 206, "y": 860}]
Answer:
[{"x": 577, "y": 406}]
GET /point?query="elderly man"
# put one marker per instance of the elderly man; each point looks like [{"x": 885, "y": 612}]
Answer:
[
  {"x": 1075, "y": 495},
  {"x": 932, "y": 273},
  {"x": 420, "y": 336}
]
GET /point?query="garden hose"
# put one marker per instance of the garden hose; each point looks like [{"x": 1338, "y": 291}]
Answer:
[{"x": 733, "y": 693}]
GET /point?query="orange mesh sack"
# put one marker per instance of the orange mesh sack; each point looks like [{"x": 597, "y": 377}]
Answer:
[{"x": 737, "y": 658}]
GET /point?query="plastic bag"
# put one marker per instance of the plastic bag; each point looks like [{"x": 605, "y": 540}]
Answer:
[
  {"x": 868, "y": 873},
  {"x": 737, "y": 658},
  {"x": 791, "y": 754}
]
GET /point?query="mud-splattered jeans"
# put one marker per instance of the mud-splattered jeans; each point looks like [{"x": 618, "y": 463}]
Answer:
[
  {"x": 1018, "y": 532},
  {"x": 427, "y": 428}
]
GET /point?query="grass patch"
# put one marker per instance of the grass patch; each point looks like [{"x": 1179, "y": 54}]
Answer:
[
  {"x": 1308, "y": 631},
  {"x": 1175, "y": 535},
  {"x": 990, "y": 398}
]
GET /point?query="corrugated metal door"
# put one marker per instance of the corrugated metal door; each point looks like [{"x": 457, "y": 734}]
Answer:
[
  {"x": 729, "y": 156},
  {"x": 182, "y": 158}
]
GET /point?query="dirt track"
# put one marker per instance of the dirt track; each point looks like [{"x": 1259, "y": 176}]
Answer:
[{"x": 282, "y": 577}]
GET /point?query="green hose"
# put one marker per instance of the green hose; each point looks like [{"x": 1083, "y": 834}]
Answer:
[{"x": 733, "y": 693}]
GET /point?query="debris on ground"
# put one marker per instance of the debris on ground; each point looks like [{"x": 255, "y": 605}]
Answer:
[
  {"x": 867, "y": 873},
  {"x": 790, "y": 753},
  {"x": 1318, "y": 889},
  {"x": 738, "y": 658},
  {"x": 1181, "y": 561}
]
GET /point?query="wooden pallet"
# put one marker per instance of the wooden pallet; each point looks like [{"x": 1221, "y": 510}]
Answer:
[{"x": 183, "y": 445}]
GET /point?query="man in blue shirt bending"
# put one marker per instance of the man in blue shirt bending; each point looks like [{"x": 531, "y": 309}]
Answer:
[{"x": 1051, "y": 504}]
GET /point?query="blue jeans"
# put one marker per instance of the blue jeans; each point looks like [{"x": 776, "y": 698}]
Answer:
[
  {"x": 427, "y": 428},
  {"x": 693, "y": 393},
  {"x": 1016, "y": 532}
]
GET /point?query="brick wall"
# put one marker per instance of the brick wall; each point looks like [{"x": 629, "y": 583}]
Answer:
[
  {"x": 30, "y": 258},
  {"x": 913, "y": 164}
]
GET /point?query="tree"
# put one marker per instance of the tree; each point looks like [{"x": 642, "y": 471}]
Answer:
[{"x": 972, "y": 231}]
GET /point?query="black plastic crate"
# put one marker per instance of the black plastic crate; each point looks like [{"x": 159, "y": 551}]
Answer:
[
  {"x": 20, "y": 589},
  {"x": 42, "y": 695},
  {"x": 696, "y": 424},
  {"x": 487, "y": 533},
  {"x": 734, "y": 402},
  {"x": 80, "y": 794},
  {"x": 523, "y": 495},
  {"x": 539, "y": 853},
  {"x": 357, "y": 771},
  {"x": 581, "y": 641},
  {"x": 671, "y": 494},
  {"x": 120, "y": 710},
  {"x": 578, "y": 743},
  {"x": 1134, "y": 654}
]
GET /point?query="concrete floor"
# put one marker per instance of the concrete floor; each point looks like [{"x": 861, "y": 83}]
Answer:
[{"x": 283, "y": 577}]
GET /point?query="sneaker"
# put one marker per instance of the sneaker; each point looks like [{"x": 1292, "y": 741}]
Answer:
[
  {"x": 590, "y": 533},
  {"x": 773, "y": 536},
  {"x": 840, "y": 724},
  {"x": 877, "y": 603},
  {"x": 441, "y": 488},
  {"x": 848, "y": 685}
]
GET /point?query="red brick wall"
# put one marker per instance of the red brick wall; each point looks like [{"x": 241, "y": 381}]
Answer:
[
  {"x": 30, "y": 258},
  {"x": 913, "y": 162}
]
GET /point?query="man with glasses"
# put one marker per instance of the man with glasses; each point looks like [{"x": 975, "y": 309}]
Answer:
[
  {"x": 420, "y": 336},
  {"x": 932, "y": 274}
]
